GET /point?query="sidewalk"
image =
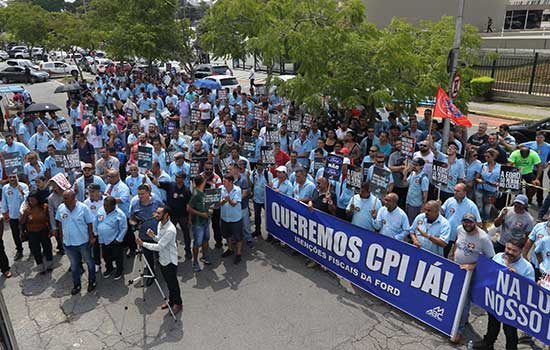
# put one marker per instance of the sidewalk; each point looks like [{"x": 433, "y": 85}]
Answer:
[{"x": 509, "y": 110}]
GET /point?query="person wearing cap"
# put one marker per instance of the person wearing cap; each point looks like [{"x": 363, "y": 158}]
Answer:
[
  {"x": 418, "y": 185},
  {"x": 58, "y": 184},
  {"x": 281, "y": 183},
  {"x": 60, "y": 143},
  {"x": 453, "y": 210},
  {"x": 430, "y": 230},
  {"x": 177, "y": 197},
  {"x": 179, "y": 165},
  {"x": 471, "y": 241},
  {"x": 515, "y": 222},
  {"x": 87, "y": 178}
]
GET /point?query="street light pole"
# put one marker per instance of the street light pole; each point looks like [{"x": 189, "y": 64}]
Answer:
[{"x": 454, "y": 65}]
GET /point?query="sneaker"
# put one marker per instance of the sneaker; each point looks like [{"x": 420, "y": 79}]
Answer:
[
  {"x": 482, "y": 345},
  {"x": 227, "y": 253},
  {"x": 76, "y": 289},
  {"x": 91, "y": 286},
  {"x": 107, "y": 273},
  {"x": 237, "y": 259},
  {"x": 7, "y": 274},
  {"x": 196, "y": 266},
  {"x": 18, "y": 255},
  {"x": 118, "y": 275},
  {"x": 205, "y": 260}
]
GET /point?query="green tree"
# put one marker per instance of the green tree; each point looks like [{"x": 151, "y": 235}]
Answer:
[{"x": 27, "y": 23}]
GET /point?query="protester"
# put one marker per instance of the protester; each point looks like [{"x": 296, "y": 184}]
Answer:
[
  {"x": 200, "y": 215},
  {"x": 14, "y": 194},
  {"x": 515, "y": 223},
  {"x": 165, "y": 244},
  {"x": 36, "y": 221},
  {"x": 110, "y": 226},
  {"x": 430, "y": 230},
  {"x": 231, "y": 218}
]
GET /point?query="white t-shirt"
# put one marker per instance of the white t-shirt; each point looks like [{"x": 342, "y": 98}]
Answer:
[
  {"x": 91, "y": 135},
  {"x": 205, "y": 115},
  {"x": 144, "y": 123}
]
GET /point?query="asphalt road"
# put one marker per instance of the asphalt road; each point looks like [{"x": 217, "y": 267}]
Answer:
[{"x": 270, "y": 301}]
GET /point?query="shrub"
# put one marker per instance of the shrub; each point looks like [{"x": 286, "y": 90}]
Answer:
[{"x": 481, "y": 86}]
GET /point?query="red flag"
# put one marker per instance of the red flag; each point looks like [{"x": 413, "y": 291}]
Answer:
[{"x": 444, "y": 108}]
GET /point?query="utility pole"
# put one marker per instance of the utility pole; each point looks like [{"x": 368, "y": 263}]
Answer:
[{"x": 454, "y": 66}]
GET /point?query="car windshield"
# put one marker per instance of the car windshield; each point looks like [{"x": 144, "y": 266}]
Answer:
[
  {"x": 219, "y": 70},
  {"x": 229, "y": 82}
]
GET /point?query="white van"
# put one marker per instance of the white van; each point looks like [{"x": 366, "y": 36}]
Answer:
[{"x": 58, "y": 68}]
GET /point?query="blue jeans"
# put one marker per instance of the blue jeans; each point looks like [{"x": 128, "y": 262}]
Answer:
[
  {"x": 76, "y": 254},
  {"x": 201, "y": 234}
]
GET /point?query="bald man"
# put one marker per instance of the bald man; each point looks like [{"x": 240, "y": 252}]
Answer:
[
  {"x": 430, "y": 230},
  {"x": 75, "y": 223},
  {"x": 390, "y": 220}
]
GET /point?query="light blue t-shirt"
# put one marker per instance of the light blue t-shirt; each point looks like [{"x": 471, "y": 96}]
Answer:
[
  {"x": 362, "y": 215},
  {"x": 543, "y": 248},
  {"x": 74, "y": 223},
  {"x": 456, "y": 172},
  {"x": 111, "y": 226},
  {"x": 522, "y": 266},
  {"x": 230, "y": 213},
  {"x": 418, "y": 183},
  {"x": 440, "y": 228},
  {"x": 454, "y": 211},
  {"x": 394, "y": 224},
  {"x": 490, "y": 176},
  {"x": 538, "y": 233}
]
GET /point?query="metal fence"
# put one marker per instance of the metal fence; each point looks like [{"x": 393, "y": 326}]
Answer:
[
  {"x": 525, "y": 74},
  {"x": 278, "y": 68}
]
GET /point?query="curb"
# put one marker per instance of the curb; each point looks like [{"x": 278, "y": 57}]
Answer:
[{"x": 501, "y": 116}]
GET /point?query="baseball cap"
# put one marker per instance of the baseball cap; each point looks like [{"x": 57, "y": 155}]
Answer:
[
  {"x": 87, "y": 165},
  {"x": 469, "y": 216},
  {"x": 418, "y": 161},
  {"x": 344, "y": 150},
  {"x": 521, "y": 199},
  {"x": 281, "y": 168}
]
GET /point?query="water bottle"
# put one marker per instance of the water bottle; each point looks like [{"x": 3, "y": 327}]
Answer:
[{"x": 470, "y": 345}]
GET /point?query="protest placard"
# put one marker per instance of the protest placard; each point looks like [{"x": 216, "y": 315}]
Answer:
[
  {"x": 194, "y": 168},
  {"x": 267, "y": 155},
  {"x": 354, "y": 178},
  {"x": 169, "y": 154},
  {"x": 213, "y": 196},
  {"x": 318, "y": 163},
  {"x": 307, "y": 119},
  {"x": 294, "y": 125},
  {"x": 240, "y": 121},
  {"x": 510, "y": 179},
  {"x": 72, "y": 160},
  {"x": 366, "y": 166},
  {"x": 195, "y": 116},
  {"x": 273, "y": 119},
  {"x": 165, "y": 113},
  {"x": 248, "y": 150},
  {"x": 440, "y": 173},
  {"x": 59, "y": 157},
  {"x": 408, "y": 146},
  {"x": 271, "y": 135},
  {"x": 88, "y": 112},
  {"x": 63, "y": 127},
  {"x": 145, "y": 157},
  {"x": 13, "y": 163},
  {"x": 333, "y": 167},
  {"x": 379, "y": 182},
  {"x": 258, "y": 112}
]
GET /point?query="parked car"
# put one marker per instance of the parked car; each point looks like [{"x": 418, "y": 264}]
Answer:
[
  {"x": 226, "y": 81},
  {"x": 59, "y": 55},
  {"x": 100, "y": 65},
  {"x": 19, "y": 51},
  {"x": 174, "y": 66},
  {"x": 21, "y": 63},
  {"x": 59, "y": 68},
  {"x": 205, "y": 70},
  {"x": 37, "y": 52},
  {"x": 526, "y": 131},
  {"x": 3, "y": 55},
  {"x": 17, "y": 74}
]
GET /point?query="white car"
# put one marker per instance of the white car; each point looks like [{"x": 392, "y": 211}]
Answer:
[
  {"x": 59, "y": 55},
  {"x": 17, "y": 62},
  {"x": 226, "y": 81},
  {"x": 3, "y": 55},
  {"x": 58, "y": 68},
  {"x": 99, "y": 65},
  {"x": 174, "y": 65}
]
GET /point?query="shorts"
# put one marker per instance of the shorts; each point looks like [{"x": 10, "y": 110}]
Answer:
[
  {"x": 232, "y": 230},
  {"x": 201, "y": 234}
]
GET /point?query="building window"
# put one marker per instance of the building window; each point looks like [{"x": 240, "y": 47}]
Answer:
[
  {"x": 518, "y": 19},
  {"x": 533, "y": 19},
  {"x": 508, "y": 20}
]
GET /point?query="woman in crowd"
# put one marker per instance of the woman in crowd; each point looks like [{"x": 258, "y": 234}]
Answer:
[
  {"x": 36, "y": 221},
  {"x": 487, "y": 185}
]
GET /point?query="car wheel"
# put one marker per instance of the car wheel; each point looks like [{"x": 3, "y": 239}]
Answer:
[
  {"x": 33, "y": 80},
  {"x": 74, "y": 73}
]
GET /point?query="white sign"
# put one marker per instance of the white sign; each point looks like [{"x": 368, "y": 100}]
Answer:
[{"x": 455, "y": 89}]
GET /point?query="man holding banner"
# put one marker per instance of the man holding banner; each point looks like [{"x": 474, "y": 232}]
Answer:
[{"x": 513, "y": 260}]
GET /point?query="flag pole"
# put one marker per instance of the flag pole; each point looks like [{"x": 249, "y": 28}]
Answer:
[{"x": 454, "y": 63}]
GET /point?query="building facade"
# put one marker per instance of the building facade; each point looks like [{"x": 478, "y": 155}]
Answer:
[
  {"x": 527, "y": 14},
  {"x": 476, "y": 12}
]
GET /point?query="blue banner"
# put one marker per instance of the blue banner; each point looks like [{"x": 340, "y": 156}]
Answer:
[
  {"x": 426, "y": 286},
  {"x": 512, "y": 299}
]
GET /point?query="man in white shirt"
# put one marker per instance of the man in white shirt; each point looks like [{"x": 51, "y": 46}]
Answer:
[
  {"x": 205, "y": 108},
  {"x": 146, "y": 121},
  {"x": 168, "y": 256}
]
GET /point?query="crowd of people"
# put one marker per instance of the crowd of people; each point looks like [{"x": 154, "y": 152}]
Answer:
[{"x": 204, "y": 140}]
